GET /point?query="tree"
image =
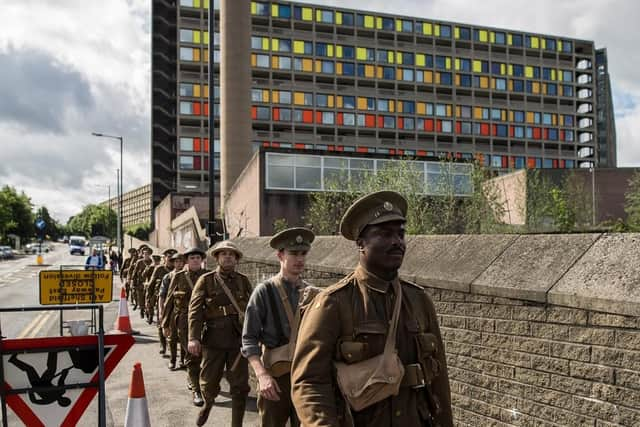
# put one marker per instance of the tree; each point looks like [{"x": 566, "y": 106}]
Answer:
[
  {"x": 139, "y": 231},
  {"x": 579, "y": 200},
  {"x": 92, "y": 215},
  {"x": 280, "y": 224},
  {"x": 632, "y": 202},
  {"x": 16, "y": 214},
  {"x": 53, "y": 228}
]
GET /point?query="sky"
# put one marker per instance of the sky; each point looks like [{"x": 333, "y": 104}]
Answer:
[{"x": 73, "y": 67}]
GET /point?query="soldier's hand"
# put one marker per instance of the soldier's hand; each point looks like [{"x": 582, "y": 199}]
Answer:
[
  {"x": 268, "y": 387},
  {"x": 194, "y": 347},
  {"x": 167, "y": 332}
]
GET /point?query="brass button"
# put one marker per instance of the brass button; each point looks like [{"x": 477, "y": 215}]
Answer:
[{"x": 398, "y": 413}]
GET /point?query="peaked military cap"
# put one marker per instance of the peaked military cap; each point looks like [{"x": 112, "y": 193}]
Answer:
[
  {"x": 194, "y": 250},
  {"x": 169, "y": 252},
  {"x": 293, "y": 239},
  {"x": 374, "y": 208},
  {"x": 176, "y": 256},
  {"x": 144, "y": 246},
  {"x": 156, "y": 257},
  {"x": 226, "y": 245},
  {"x": 133, "y": 250}
]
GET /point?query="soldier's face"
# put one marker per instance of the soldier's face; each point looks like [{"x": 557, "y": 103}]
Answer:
[
  {"x": 178, "y": 264},
  {"x": 227, "y": 260},
  {"x": 292, "y": 262},
  {"x": 194, "y": 261},
  {"x": 146, "y": 254},
  {"x": 383, "y": 245}
]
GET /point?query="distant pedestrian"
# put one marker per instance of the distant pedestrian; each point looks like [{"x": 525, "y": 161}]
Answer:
[
  {"x": 94, "y": 261},
  {"x": 114, "y": 260}
]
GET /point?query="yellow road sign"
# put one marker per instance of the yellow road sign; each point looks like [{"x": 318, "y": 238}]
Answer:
[{"x": 77, "y": 286}]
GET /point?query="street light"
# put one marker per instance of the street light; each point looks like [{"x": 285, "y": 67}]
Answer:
[{"x": 104, "y": 135}]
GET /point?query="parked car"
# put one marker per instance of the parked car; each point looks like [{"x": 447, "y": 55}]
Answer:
[
  {"x": 6, "y": 252},
  {"x": 77, "y": 245},
  {"x": 33, "y": 248}
]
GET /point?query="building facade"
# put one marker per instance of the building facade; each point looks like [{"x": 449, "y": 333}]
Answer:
[
  {"x": 344, "y": 82},
  {"x": 136, "y": 206}
]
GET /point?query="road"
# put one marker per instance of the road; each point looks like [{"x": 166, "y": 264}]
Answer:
[{"x": 168, "y": 398}]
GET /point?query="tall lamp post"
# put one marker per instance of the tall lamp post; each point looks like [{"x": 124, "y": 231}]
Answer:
[{"x": 104, "y": 135}]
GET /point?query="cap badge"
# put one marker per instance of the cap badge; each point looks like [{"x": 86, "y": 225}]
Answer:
[
  {"x": 299, "y": 239},
  {"x": 387, "y": 206}
]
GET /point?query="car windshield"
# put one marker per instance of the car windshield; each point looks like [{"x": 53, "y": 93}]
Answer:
[{"x": 76, "y": 243}]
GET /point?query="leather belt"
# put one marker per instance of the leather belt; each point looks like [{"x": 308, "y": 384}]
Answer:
[
  {"x": 413, "y": 376},
  {"x": 225, "y": 310}
]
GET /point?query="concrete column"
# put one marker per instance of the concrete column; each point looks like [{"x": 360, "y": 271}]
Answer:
[{"x": 235, "y": 86}]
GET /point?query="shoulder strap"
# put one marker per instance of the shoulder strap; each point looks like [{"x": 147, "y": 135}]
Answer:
[
  {"x": 274, "y": 310},
  {"x": 285, "y": 301},
  {"x": 390, "y": 343}
]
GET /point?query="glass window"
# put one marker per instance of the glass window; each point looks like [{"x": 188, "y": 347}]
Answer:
[
  {"x": 186, "y": 54},
  {"x": 518, "y": 70},
  {"x": 285, "y": 114},
  {"x": 441, "y": 62},
  {"x": 463, "y": 64},
  {"x": 256, "y": 95},
  {"x": 445, "y": 31},
  {"x": 407, "y": 74},
  {"x": 284, "y": 45},
  {"x": 186, "y": 89},
  {"x": 447, "y": 126},
  {"x": 328, "y": 67},
  {"x": 518, "y": 131},
  {"x": 516, "y": 39},
  {"x": 186, "y": 35},
  {"x": 348, "y": 52},
  {"x": 463, "y": 33},
  {"x": 186, "y": 144},
  {"x": 387, "y": 24},
  {"x": 388, "y": 73},
  {"x": 186, "y": 108},
  {"x": 325, "y": 16},
  {"x": 348, "y": 69},
  {"x": 285, "y": 97},
  {"x": 347, "y": 19},
  {"x": 263, "y": 113},
  {"x": 256, "y": 43},
  {"x": 389, "y": 122},
  {"x": 465, "y": 80},
  {"x": 500, "y": 38},
  {"x": 445, "y": 78},
  {"x": 383, "y": 105},
  {"x": 280, "y": 176},
  {"x": 262, "y": 9},
  {"x": 465, "y": 128},
  {"x": 349, "y": 119},
  {"x": 328, "y": 118},
  {"x": 441, "y": 110},
  {"x": 262, "y": 61},
  {"x": 465, "y": 112},
  {"x": 409, "y": 123},
  {"x": 501, "y": 84},
  {"x": 518, "y": 85},
  {"x": 349, "y": 102},
  {"x": 284, "y": 63},
  {"x": 186, "y": 162}
]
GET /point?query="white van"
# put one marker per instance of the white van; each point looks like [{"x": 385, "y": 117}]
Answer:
[{"x": 77, "y": 245}]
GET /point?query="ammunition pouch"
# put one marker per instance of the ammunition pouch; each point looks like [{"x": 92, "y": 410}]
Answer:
[{"x": 277, "y": 360}]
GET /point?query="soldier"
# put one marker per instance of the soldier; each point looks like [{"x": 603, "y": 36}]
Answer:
[
  {"x": 350, "y": 322},
  {"x": 176, "y": 310},
  {"x": 126, "y": 267},
  {"x": 172, "y": 337},
  {"x": 153, "y": 287},
  {"x": 216, "y": 312},
  {"x": 137, "y": 282},
  {"x": 146, "y": 276},
  {"x": 271, "y": 322}
]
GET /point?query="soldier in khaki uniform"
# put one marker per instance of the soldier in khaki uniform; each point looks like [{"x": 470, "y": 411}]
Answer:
[
  {"x": 153, "y": 287},
  {"x": 137, "y": 281},
  {"x": 172, "y": 333},
  {"x": 146, "y": 277},
  {"x": 127, "y": 266},
  {"x": 176, "y": 311},
  {"x": 349, "y": 321},
  {"x": 270, "y": 326},
  {"x": 216, "y": 312}
]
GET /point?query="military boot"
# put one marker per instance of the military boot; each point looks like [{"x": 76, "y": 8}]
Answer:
[
  {"x": 238, "y": 404},
  {"x": 203, "y": 415},
  {"x": 197, "y": 398}
]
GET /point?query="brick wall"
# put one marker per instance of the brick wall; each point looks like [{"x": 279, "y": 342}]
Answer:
[{"x": 538, "y": 330}]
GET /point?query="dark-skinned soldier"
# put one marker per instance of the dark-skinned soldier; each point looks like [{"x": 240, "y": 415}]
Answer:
[
  {"x": 349, "y": 322},
  {"x": 216, "y": 313},
  {"x": 153, "y": 287},
  {"x": 137, "y": 283},
  {"x": 172, "y": 335},
  {"x": 176, "y": 314},
  {"x": 127, "y": 267}
]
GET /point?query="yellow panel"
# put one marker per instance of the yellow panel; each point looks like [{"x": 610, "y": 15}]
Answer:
[
  {"x": 477, "y": 113},
  {"x": 307, "y": 14},
  {"x": 448, "y": 110},
  {"x": 477, "y": 66},
  {"x": 361, "y": 54},
  {"x": 339, "y": 102},
  {"x": 330, "y": 51},
  {"x": 530, "y": 117},
  {"x": 298, "y": 98},
  {"x": 421, "y": 108},
  {"x": 427, "y": 28},
  {"x": 362, "y": 103},
  {"x": 338, "y": 51},
  {"x": 483, "y": 35},
  {"x": 205, "y": 58},
  {"x": 447, "y": 63},
  {"x": 307, "y": 65},
  {"x": 196, "y": 91},
  {"x": 456, "y": 32},
  {"x": 339, "y": 18},
  {"x": 265, "y": 43},
  {"x": 379, "y": 23},
  {"x": 510, "y": 84},
  {"x": 206, "y": 37},
  {"x": 369, "y": 71},
  {"x": 368, "y": 21},
  {"x": 265, "y": 95},
  {"x": 379, "y": 72},
  {"x": 275, "y": 10},
  {"x": 392, "y": 106},
  {"x": 274, "y": 62},
  {"x": 196, "y": 54},
  {"x": 457, "y": 65},
  {"x": 535, "y": 42},
  {"x": 510, "y": 116},
  {"x": 318, "y": 15},
  {"x": 428, "y": 76},
  {"x": 510, "y": 70},
  {"x": 559, "y": 45},
  {"x": 330, "y": 101},
  {"x": 492, "y": 37},
  {"x": 437, "y": 30},
  {"x": 276, "y": 96},
  {"x": 437, "y": 78},
  {"x": 254, "y": 8},
  {"x": 484, "y": 82},
  {"x": 196, "y": 3},
  {"x": 205, "y": 4},
  {"x": 528, "y": 71},
  {"x": 536, "y": 87},
  {"x": 553, "y": 74},
  {"x": 504, "y": 115},
  {"x": 561, "y": 120},
  {"x": 554, "y": 119},
  {"x": 275, "y": 45},
  {"x": 509, "y": 39},
  {"x": 254, "y": 60},
  {"x": 420, "y": 60},
  {"x": 339, "y": 68},
  {"x": 398, "y": 74},
  {"x": 503, "y": 69},
  {"x": 196, "y": 36},
  {"x": 398, "y": 25},
  {"x": 318, "y": 66},
  {"x": 399, "y": 58},
  {"x": 206, "y": 91},
  {"x": 390, "y": 57},
  {"x": 543, "y": 43},
  {"x": 458, "y": 111},
  {"x": 298, "y": 46}
]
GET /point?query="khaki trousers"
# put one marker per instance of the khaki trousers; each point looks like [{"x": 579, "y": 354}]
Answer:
[{"x": 276, "y": 414}]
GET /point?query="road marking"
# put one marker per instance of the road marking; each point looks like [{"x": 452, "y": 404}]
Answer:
[
  {"x": 30, "y": 326},
  {"x": 45, "y": 319}
]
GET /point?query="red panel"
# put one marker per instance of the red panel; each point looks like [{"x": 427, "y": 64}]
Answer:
[
  {"x": 205, "y": 162},
  {"x": 339, "y": 148},
  {"x": 458, "y": 127},
  {"x": 561, "y": 135},
  {"x": 196, "y": 163},
  {"x": 546, "y": 133},
  {"x": 505, "y": 161},
  {"x": 196, "y": 144},
  {"x": 340, "y": 120},
  {"x": 392, "y": 151},
  {"x": 254, "y": 113},
  {"x": 206, "y": 109},
  {"x": 331, "y": 148},
  {"x": 555, "y": 163},
  {"x": 422, "y": 153},
  {"x": 563, "y": 164},
  {"x": 206, "y": 145},
  {"x": 512, "y": 162},
  {"x": 428, "y": 125},
  {"x": 438, "y": 125},
  {"x": 298, "y": 146},
  {"x": 197, "y": 108},
  {"x": 318, "y": 116},
  {"x": 511, "y": 131},
  {"x": 370, "y": 121},
  {"x": 531, "y": 162},
  {"x": 276, "y": 114},
  {"x": 494, "y": 130},
  {"x": 380, "y": 121},
  {"x": 400, "y": 123},
  {"x": 400, "y": 152},
  {"x": 484, "y": 129},
  {"x": 307, "y": 116},
  {"x": 265, "y": 144},
  {"x": 362, "y": 150},
  {"x": 537, "y": 134}
]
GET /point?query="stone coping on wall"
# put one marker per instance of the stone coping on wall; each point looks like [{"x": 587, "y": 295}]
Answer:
[{"x": 598, "y": 272}]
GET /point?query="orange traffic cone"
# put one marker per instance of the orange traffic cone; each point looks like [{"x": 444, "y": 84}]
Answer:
[
  {"x": 123, "y": 323},
  {"x": 137, "y": 408}
]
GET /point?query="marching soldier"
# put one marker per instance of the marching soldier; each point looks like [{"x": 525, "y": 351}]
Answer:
[
  {"x": 176, "y": 310},
  {"x": 146, "y": 277},
  {"x": 172, "y": 336},
  {"x": 153, "y": 287},
  {"x": 271, "y": 323},
  {"x": 372, "y": 324},
  {"x": 216, "y": 312},
  {"x": 127, "y": 266},
  {"x": 137, "y": 282}
]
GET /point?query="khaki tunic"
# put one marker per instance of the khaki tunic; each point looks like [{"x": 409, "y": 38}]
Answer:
[
  {"x": 214, "y": 321},
  {"x": 125, "y": 267},
  {"x": 153, "y": 286},
  {"x": 357, "y": 310},
  {"x": 138, "y": 271}
]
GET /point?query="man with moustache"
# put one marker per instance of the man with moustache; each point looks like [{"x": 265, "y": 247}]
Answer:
[
  {"x": 216, "y": 312},
  {"x": 172, "y": 337},
  {"x": 349, "y": 323},
  {"x": 270, "y": 326},
  {"x": 176, "y": 312}
]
